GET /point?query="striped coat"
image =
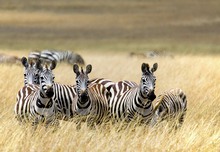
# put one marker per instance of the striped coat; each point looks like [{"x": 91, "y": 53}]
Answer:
[
  {"x": 65, "y": 96},
  {"x": 91, "y": 98},
  {"x": 32, "y": 106},
  {"x": 57, "y": 56},
  {"x": 34, "y": 102},
  {"x": 130, "y": 101},
  {"x": 170, "y": 105}
]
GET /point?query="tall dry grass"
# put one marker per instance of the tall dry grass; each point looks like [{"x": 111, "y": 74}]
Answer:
[{"x": 198, "y": 76}]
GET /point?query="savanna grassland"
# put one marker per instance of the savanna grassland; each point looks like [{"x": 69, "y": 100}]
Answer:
[
  {"x": 196, "y": 75},
  {"x": 104, "y": 32}
]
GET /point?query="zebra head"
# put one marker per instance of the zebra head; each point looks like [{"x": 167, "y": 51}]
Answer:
[
  {"x": 82, "y": 81},
  {"x": 147, "y": 84},
  {"x": 47, "y": 79},
  {"x": 159, "y": 112},
  {"x": 31, "y": 71}
]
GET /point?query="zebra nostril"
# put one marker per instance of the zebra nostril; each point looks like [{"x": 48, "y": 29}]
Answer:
[
  {"x": 50, "y": 92},
  {"x": 151, "y": 95}
]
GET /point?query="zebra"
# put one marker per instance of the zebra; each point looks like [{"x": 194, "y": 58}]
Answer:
[
  {"x": 64, "y": 95},
  {"x": 170, "y": 105},
  {"x": 91, "y": 97},
  {"x": 58, "y": 56},
  {"x": 34, "y": 102},
  {"x": 129, "y": 100},
  {"x": 31, "y": 71}
]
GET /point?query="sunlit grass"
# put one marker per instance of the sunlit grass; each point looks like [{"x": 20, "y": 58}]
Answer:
[
  {"x": 104, "y": 32},
  {"x": 198, "y": 76}
]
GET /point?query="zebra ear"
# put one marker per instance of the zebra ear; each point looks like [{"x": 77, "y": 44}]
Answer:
[
  {"x": 88, "y": 68},
  {"x": 145, "y": 67},
  {"x": 53, "y": 65},
  {"x": 154, "y": 68},
  {"x": 24, "y": 62},
  {"x": 76, "y": 69}
]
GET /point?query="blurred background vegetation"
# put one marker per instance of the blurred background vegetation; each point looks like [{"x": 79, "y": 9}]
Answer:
[{"x": 106, "y": 25}]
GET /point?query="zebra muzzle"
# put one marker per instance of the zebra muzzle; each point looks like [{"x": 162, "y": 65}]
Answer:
[
  {"x": 49, "y": 92},
  {"x": 151, "y": 95},
  {"x": 83, "y": 91}
]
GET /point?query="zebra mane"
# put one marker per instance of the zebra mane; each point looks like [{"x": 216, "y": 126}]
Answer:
[
  {"x": 31, "y": 63},
  {"x": 82, "y": 71},
  {"x": 48, "y": 65}
]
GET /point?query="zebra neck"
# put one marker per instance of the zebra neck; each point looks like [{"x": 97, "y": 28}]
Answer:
[
  {"x": 141, "y": 99},
  {"x": 43, "y": 101}
]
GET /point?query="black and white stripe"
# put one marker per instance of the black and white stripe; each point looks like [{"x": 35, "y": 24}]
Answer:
[
  {"x": 64, "y": 95},
  {"x": 91, "y": 98},
  {"x": 106, "y": 82},
  {"x": 170, "y": 105},
  {"x": 31, "y": 71},
  {"x": 34, "y": 102},
  {"x": 130, "y": 100},
  {"x": 58, "y": 56}
]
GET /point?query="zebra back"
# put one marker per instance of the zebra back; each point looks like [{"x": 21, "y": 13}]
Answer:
[
  {"x": 130, "y": 84},
  {"x": 169, "y": 105},
  {"x": 106, "y": 82},
  {"x": 58, "y": 56}
]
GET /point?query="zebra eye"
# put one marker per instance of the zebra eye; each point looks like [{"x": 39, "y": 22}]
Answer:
[
  {"x": 41, "y": 78},
  {"x": 25, "y": 74}
]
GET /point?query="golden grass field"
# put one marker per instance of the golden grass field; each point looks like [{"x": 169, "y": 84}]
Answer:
[
  {"x": 104, "y": 33},
  {"x": 198, "y": 76}
]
